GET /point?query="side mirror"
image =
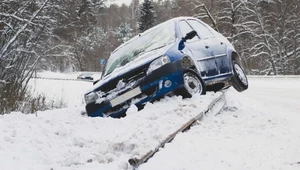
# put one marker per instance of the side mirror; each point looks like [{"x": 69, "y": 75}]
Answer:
[
  {"x": 96, "y": 81},
  {"x": 190, "y": 35}
]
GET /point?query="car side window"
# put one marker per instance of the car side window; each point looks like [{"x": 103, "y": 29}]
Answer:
[
  {"x": 201, "y": 29},
  {"x": 186, "y": 28}
]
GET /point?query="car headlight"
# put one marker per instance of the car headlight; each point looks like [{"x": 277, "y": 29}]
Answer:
[
  {"x": 158, "y": 63},
  {"x": 91, "y": 97}
]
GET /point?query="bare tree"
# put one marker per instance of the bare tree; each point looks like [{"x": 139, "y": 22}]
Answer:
[
  {"x": 75, "y": 34},
  {"x": 273, "y": 30},
  {"x": 25, "y": 31}
]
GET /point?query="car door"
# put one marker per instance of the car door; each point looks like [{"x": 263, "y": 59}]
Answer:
[
  {"x": 217, "y": 45},
  {"x": 199, "y": 48}
]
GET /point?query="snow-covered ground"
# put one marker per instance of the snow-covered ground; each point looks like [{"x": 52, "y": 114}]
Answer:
[
  {"x": 258, "y": 129},
  {"x": 61, "y": 89}
]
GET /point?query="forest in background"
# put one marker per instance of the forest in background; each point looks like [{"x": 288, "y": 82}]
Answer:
[{"x": 73, "y": 35}]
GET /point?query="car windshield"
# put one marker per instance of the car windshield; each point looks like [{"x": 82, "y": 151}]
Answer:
[{"x": 155, "y": 38}]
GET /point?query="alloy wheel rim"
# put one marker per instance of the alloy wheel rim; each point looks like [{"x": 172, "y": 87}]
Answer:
[
  {"x": 241, "y": 74},
  {"x": 192, "y": 84}
]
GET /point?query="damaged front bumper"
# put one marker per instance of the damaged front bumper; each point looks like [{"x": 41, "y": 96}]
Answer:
[{"x": 150, "y": 87}]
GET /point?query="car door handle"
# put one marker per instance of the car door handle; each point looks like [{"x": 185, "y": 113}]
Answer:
[{"x": 206, "y": 46}]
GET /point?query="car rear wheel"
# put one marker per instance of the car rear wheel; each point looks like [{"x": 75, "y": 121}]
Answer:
[
  {"x": 193, "y": 84},
  {"x": 239, "y": 79}
]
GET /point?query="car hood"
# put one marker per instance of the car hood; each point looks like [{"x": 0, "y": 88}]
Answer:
[{"x": 138, "y": 62}]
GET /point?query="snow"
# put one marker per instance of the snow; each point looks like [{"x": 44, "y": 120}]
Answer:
[
  {"x": 61, "y": 89},
  {"x": 258, "y": 129},
  {"x": 118, "y": 2},
  {"x": 121, "y": 2},
  {"x": 71, "y": 75}
]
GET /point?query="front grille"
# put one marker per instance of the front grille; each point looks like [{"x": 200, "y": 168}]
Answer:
[{"x": 128, "y": 77}]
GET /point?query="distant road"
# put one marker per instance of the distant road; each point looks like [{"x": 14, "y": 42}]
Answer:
[{"x": 284, "y": 91}]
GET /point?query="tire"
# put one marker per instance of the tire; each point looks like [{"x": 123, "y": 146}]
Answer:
[
  {"x": 239, "y": 79},
  {"x": 193, "y": 84}
]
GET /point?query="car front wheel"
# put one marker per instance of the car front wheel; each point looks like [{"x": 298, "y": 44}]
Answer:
[
  {"x": 239, "y": 79},
  {"x": 193, "y": 84}
]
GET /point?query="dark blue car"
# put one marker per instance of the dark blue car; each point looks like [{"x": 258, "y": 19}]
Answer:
[{"x": 181, "y": 56}]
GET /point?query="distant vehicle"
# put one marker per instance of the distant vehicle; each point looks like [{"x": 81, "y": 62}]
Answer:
[
  {"x": 181, "y": 56},
  {"x": 85, "y": 76}
]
